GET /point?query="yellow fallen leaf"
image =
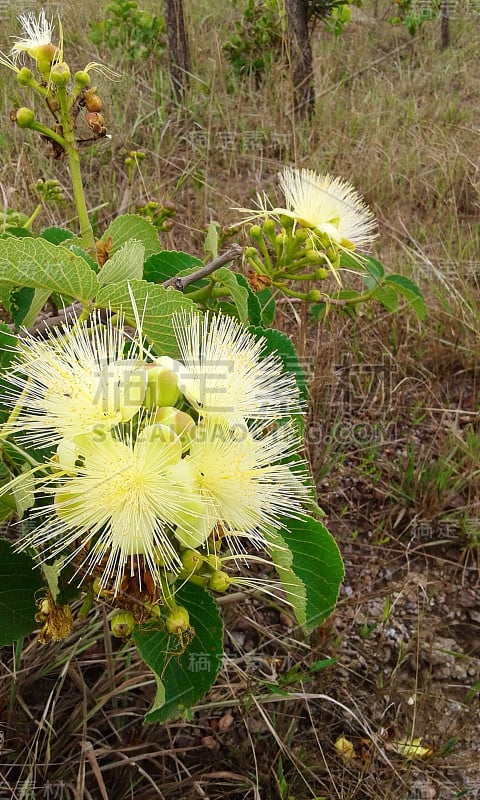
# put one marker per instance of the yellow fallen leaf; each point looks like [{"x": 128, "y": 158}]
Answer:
[
  {"x": 411, "y": 748},
  {"x": 344, "y": 748}
]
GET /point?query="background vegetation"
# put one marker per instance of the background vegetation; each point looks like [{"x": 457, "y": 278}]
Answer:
[{"x": 393, "y": 440}]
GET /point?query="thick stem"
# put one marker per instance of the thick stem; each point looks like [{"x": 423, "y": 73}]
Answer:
[{"x": 86, "y": 231}]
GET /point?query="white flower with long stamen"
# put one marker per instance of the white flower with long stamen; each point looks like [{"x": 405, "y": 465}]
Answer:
[
  {"x": 37, "y": 32},
  {"x": 119, "y": 508},
  {"x": 241, "y": 477},
  {"x": 75, "y": 384},
  {"x": 323, "y": 204},
  {"x": 226, "y": 374}
]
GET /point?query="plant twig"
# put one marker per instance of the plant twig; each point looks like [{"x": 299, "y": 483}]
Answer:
[{"x": 234, "y": 252}]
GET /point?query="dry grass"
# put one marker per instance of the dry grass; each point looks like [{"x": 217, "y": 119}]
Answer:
[{"x": 393, "y": 441}]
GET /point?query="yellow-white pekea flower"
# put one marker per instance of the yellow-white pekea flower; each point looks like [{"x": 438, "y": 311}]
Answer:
[
  {"x": 37, "y": 32},
  {"x": 79, "y": 383},
  {"x": 239, "y": 474},
  {"x": 227, "y": 375},
  {"x": 119, "y": 508},
  {"x": 325, "y": 204}
]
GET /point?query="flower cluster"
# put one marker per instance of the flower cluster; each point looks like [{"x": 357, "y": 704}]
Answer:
[
  {"x": 153, "y": 465},
  {"x": 323, "y": 218}
]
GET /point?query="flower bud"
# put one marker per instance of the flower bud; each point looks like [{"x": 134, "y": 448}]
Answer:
[
  {"x": 180, "y": 423},
  {"x": 178, "y": 620},
  {"x": 24, "y": 76},
  {"x": 81, "y": 78},
  {"x": 313, "y": 296},
  {"x": 301, "y": 234},
  {"x": 122, "y": 624},
  {"x": 162, "y": 387},
  {"x": 321, "y": 274},
  {"x": 24, "y": 117},
  {"x": 44, "y": 55},
  {"x": 286, "y": 222},
  {"x": 219, "y": 581},
  {"x": 214, "y": 561},
  {"x": 269, "y": 227},
  {"x": 60, "y": 74},
  {"x": 256, "y": 232},
  {"x": 191, "y": 560}
]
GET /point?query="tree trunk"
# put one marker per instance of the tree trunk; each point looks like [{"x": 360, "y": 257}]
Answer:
[
  {"x": 178, "y": 52},
  {"x": 300, "y": 58},
  {"x": 444, "y": 23}
]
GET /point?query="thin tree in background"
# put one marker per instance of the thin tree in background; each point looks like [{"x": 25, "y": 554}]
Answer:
[
  {"x": 178, "y": 50},
  {"x": 444, "y": 24},
  {"x": 300, "y": 58}
]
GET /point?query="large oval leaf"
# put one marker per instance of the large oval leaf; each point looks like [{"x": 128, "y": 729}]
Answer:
[
  {"x": 182, "y": 680},
  {"x": 19, "y": 583},
  {"x": 155, "y": 306},
  {"x": 311, "y": 570},
  {"x": 42, "y": 265}
]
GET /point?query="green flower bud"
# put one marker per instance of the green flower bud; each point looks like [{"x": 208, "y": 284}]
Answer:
[
  {"x": 191, "y": 560},
  {"x": 122, "y": 624},
  {"x": 251, "y": 252},
  {"x": 60, "y": 74},
  {"x": 286, "y": 222},
  {"x": 301, "y": 234},
  {"x": 24, "y": 76},
  {"x": 44, "y": 55},
  {"x": 269, "y": 227},
  {"x": 256, "y": 232},
  {"x": 162, "y": 387},
  {"x": 321, "y": 274},
  {"x": 313, "y": 296},
  {"x": 178, "y": 620},
  {"x": 24, "y": 117},
  {"x": 81, "y": 78},
  {"x": 179, "y": 422},
  {"x": 214, "y": 561},
  {"x": 219, "y": 581},
  {"x": 154, "y": 610}
]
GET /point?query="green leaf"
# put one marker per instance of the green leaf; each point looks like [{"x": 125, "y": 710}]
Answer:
[
  {"x": 374, "y": 268},
  {"x": 7, "y": 500},
  {"x": 267, "y": 304},
  {"x": 410, "y": 292},
  {"x": 183, "y": 679},
  {"x": 167, "y": 264},
  {"x": 23, "y": 490},
  {"x": 238, "y": 292},
  {"x": 293, "y": 586},
  {"x": 19, "y": 583},
  {"x": 56, "y": 235},
  {"x": 280, "y": 343},
  {"x": 211, "y": 240},
  {"x": 254, "y": 308},
  {"x": 387, "y": 296},
  {"x": 125, "y": 265},
  {"x": 39, "y": 264},
  {"x": 40, "y": 297},
  {"x": 155, "y": 307},
  {"x": 16, "y": 233},
  {"x": 77, "y": 250},
  {"x": 20, "y": 302},
  {"x": 132, "y": 226},
  {"x": 317, "y": 564}
]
